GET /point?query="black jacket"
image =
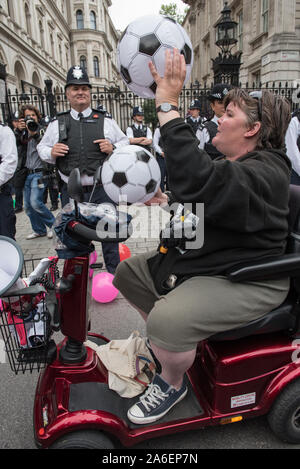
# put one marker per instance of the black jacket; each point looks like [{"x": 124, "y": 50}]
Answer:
[{"x": 245, "y": 205}]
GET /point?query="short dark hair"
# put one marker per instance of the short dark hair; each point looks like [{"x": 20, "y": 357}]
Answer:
[{"x": 273, "y": 111}]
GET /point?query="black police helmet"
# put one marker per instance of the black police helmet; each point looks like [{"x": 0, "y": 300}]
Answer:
[
  {"x": 219, "y": 92},
  {"x": 137, "y": 111},
  {"x": 195, "y": 104},
  {"x": 77, "y": 76}
]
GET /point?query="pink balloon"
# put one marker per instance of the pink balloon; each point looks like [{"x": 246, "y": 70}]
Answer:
[{"x": 103, "y": 290}]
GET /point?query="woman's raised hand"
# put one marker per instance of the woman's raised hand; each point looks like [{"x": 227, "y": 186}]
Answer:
[{"x": 170, "y": 85}]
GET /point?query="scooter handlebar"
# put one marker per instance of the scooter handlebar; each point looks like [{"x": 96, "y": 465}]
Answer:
[{"x": 89, "y": 234}]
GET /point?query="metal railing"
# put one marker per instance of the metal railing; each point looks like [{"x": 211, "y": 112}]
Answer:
[{"x": 120, "y": 103}]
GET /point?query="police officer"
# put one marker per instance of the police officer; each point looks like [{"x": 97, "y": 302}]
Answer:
[
  {"x": 194, "y": 118},
  {"x": 209, "y": 129},
  {"x": 82, "y": 138},
  {"x": 8, "y": 165},
  {"x": 292, "y": 141},
  {"x": 138, "y": 133}
]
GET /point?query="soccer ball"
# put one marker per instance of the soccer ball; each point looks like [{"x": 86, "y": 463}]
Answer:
[
  {"x": 131, "y": 174},
  {"x": 145, "y": 39}
]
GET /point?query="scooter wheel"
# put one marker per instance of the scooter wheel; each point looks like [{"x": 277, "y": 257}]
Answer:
[
  {"x": 89, "y": 439},
  {"x": 284, "y": 417}
]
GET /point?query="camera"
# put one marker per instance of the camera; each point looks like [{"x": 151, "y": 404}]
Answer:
[
  {"x": 48, "y": 178},
  {"x": 31, "y": 124}
]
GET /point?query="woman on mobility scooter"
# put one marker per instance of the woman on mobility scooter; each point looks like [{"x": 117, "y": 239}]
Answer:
[{"x": 245, "y": 196}]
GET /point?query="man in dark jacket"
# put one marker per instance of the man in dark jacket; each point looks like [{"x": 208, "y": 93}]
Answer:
[{"x": 39, "y": 215}]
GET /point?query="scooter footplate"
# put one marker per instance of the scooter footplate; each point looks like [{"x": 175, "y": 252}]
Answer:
[{"x": 98, "y": 396}]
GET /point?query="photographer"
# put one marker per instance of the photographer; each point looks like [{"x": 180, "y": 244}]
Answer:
[{"x": 32, "y": 132}]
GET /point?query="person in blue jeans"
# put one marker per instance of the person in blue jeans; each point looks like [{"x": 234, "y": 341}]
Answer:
[{"x": 39, "y": 215}]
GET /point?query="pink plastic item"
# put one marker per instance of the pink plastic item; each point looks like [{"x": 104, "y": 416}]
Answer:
[{"x": 103, "y": 290}]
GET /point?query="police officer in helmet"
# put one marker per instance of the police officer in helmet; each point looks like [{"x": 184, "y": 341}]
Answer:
[
  {"x": 194, "y": 118},
  {"x": 210, "y": 128},
  {"x": 138, "y": 133},
  {"x": 82, "y": 138}
]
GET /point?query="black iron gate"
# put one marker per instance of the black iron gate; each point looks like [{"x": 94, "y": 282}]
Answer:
[{"x": 120, "y": 103}]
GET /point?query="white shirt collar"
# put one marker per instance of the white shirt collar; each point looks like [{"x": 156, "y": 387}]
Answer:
[
  {"x": 215, "y": 119},
  {"x": 86, "y": 113}
]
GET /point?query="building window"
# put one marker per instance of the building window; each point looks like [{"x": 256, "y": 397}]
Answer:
[
  {"x": 83, "y": 62},
  {"x": 93, "y": 20},
  {"x": 240, "y": 30},
  {"x": 265, "y": 15},
  {"x": 10, "y": 8},
  {"x": 52, "y": 46},
  {"x": 256, "y": 79},
  {"x": 27, "y": 18},
  {"x": 96, "y": 67},
  {"x": 60, "y": 54},
  {"x": 42, "y": 34},
  {"x": 79, "y": 19}
]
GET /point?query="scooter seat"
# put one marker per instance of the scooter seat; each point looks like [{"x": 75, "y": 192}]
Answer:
[{"x": 279, "y": 319}]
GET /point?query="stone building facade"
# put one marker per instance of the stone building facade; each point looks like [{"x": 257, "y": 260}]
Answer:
[
  {"x": 268, "y": 34},
  {"x": 42, "y": 39}
]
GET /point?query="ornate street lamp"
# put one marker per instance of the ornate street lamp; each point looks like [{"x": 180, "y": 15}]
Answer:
[{"x": 226, "y": 66}]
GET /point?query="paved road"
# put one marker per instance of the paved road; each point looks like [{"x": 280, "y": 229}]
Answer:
[{"x": 114, "y": 320}]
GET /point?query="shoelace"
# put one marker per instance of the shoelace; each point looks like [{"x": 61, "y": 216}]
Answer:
[{"x": 153, "y": 396}]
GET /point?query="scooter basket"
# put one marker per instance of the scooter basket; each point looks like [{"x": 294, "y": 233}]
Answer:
[{"x": 25, "y": 328}]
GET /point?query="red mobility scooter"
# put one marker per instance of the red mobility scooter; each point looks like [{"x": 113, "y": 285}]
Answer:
[{"x": 238, "y": 374}]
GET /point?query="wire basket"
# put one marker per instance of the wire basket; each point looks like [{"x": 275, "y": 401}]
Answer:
[{"x": 25, "y": 324}]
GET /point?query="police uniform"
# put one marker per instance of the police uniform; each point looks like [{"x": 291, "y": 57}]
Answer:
[
  {"x": 205, "y": 135},
  {"x": 195, "y": 122},
  {"x": 8, "y": 166},
  {"x": 78, "y": 131},
  {"x": 292, "y": 141},
  {"x": 208, "y": 130},
  {"x": 137, "y": 130}
]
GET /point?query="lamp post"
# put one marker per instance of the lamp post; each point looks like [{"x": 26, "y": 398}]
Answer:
[
  {"x": 50, "y": 98},
  {"x": 227, "y": 65}
]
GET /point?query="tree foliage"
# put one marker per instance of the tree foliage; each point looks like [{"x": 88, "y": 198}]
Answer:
[{"x": 171, "y": 10}]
